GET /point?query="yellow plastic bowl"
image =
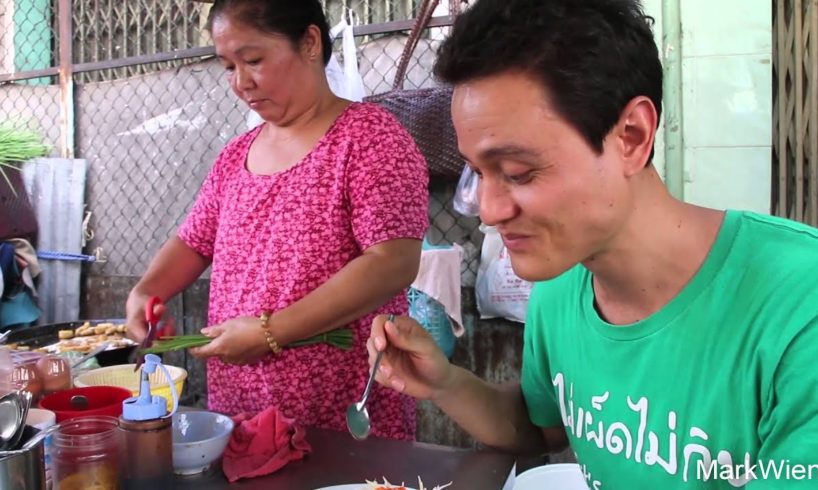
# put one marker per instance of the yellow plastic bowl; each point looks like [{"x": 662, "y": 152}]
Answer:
[{"x": 124, "y": 376}]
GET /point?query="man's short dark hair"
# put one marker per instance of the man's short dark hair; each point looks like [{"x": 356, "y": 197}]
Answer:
[{"x": 592, "y": 56}]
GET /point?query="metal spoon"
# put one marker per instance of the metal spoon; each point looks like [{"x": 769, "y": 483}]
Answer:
[
  {"x": 26, "y": 398},
  {"x": 357, "y": 415},
  {"x": 11, "y": 419}
]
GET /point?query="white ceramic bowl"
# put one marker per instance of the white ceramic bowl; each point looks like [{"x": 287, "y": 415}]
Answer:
[
  {"x": 199, "y": 439},
  {"x": 552, "y": 476}
]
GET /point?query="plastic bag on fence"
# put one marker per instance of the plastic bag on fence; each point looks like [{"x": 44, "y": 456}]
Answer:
[
  {"x": 344, "y": 81},
  {"x": 465, "y": 196},
  {"x": 500, "y": 293}
]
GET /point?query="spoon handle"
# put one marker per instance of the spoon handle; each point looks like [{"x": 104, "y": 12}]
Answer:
[
  {"x": 372, "y": 374},
  {"x": 371, "y": 380}
]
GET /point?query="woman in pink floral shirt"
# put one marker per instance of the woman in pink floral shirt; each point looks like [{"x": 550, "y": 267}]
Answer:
[{"x": 315, "y": 216}]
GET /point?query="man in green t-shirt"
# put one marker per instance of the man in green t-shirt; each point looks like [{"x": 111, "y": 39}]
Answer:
[{"x": 672, "y": 346}]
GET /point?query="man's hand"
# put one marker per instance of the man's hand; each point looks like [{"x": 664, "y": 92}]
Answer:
[{"x": 412, "y": 363}]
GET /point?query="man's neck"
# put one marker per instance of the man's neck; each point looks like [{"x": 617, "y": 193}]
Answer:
[{"x": 658, "y": 251}]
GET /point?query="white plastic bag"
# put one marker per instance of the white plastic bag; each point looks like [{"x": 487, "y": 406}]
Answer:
[
  {"x": 344, "y": 81},
  {"x": 465, "y": 196},
  {"x": 500, "y": 293}
]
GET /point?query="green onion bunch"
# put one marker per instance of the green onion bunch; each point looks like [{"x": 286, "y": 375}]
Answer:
[
  {"x": 18, "y": 145},
  {"x": 341, "y": 338}
]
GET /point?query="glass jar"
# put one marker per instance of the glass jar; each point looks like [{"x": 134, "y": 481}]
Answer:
[
  {"x": 86, "y": 454},
  {"x": 55, "y": 372},
  {"x": 25, "y": 374}
]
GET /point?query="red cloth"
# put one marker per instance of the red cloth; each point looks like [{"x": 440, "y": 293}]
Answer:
[{"x": 263, "y": 444}]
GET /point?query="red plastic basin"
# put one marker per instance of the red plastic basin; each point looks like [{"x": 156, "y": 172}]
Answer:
[{"x": 102, "y": 400}]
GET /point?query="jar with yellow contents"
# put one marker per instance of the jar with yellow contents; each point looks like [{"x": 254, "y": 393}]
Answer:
[{"x": 86, "y": 454}]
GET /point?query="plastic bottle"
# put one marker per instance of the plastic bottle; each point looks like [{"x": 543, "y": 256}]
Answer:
[{"x": 147, "y": 440}]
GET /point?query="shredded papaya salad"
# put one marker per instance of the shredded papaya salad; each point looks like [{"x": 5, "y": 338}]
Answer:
[{"x": 373, "y": 485}]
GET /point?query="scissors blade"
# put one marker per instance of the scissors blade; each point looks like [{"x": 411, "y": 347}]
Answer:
[
  {"x": 146, "y": 343},
  {"x": 152, "y": 320}
]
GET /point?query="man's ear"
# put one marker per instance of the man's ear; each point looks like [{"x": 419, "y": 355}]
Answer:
[{"x": 635, "y": 133}]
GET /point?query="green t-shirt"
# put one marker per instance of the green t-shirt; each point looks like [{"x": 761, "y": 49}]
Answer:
[{"x": 725, "y": 374}]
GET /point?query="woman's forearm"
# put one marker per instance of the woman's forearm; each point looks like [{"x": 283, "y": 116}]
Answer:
[
  {"x": 173, "y": 269},
  {"x": 360, "y": 287}
]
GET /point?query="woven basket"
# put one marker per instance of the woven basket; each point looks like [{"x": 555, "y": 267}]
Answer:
[
  {"x": 425, "y": 113},
  {"x": 125, "y": 377}
]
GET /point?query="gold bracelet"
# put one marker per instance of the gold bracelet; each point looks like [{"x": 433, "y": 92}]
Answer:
[{"x": 271, "y": 341}]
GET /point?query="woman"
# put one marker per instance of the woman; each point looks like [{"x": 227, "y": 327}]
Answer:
[{"x": 314, "y": 217}]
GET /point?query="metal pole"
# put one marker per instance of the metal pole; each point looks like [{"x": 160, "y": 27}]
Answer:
[
  {"x": 674, "y": 122},
  {"x": 66, "y": 77}
]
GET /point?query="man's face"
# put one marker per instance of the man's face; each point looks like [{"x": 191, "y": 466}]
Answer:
[{"x": 552, "y": 198}]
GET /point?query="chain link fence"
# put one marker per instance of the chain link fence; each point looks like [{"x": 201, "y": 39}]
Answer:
[{"x": 149, "y": 126}]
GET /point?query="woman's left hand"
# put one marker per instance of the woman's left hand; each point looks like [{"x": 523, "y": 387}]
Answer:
[{"x": 237, "y": 341}]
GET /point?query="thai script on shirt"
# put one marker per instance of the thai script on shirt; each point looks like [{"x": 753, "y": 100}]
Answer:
[{"x": 634, "y": 440}]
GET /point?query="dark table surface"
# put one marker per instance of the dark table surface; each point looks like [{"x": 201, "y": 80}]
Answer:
[{"x": 338, "y": 459}]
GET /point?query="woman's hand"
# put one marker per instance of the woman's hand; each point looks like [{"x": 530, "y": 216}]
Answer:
[
  {"x": 135, "y": 315},
  {"x": 237, "y": 341},
  {"x": 412, "y": 363}
]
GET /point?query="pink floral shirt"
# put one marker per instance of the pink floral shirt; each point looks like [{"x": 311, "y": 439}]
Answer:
[{"x": 273, "y": 239}]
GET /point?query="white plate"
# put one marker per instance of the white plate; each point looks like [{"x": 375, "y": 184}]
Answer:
[
  {"x": 352, "y": 486},
  {"x": 552, "y": 476}
]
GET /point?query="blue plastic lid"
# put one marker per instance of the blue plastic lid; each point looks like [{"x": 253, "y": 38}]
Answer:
[{"x": 147, "y": 406}]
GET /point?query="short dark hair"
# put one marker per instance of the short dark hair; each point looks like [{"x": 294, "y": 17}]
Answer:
[
  {"x": 592, "y": 56},
  {"x": 289, "y": 18}
]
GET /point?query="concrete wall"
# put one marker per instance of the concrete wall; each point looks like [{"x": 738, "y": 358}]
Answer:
[
  {"x": 727, "y": 82},
  {"x": 726, "y": 51}
]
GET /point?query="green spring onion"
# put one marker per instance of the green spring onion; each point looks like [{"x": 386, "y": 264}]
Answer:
[{"x": 341, "y": 338}]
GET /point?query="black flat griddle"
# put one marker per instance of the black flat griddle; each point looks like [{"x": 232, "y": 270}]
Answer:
[{"x": 44, "y": 335}]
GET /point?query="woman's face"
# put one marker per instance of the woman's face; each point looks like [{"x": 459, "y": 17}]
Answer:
[{"x": 267, "y": 71}]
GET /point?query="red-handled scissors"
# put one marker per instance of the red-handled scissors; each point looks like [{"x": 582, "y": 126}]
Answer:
[{"x": 153, "y": 326}]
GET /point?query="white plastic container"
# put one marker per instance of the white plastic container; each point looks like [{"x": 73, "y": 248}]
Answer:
[
  {"x": 552, "y": 476},
  {"x": 42, "y": 420}
]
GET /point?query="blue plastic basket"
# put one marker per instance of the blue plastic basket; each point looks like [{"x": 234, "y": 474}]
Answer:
[{"x": 432, "y": 316}]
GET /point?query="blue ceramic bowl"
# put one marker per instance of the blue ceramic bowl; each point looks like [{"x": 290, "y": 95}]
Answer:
[{"x": 199, "y": 439}]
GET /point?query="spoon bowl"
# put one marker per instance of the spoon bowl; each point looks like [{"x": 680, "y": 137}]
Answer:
[
  {"x": 358, "y": 421},
  {"x": 11, "y": 419}
]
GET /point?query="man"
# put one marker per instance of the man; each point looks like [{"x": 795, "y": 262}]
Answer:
[{"x": 671, "y": 345}]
